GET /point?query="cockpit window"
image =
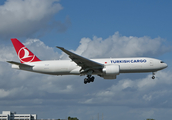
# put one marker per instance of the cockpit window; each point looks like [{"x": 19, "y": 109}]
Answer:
[{"x": 162, "y": 61}]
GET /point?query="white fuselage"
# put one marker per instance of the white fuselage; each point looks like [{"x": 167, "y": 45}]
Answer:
[{"x": 68, "y": 67}]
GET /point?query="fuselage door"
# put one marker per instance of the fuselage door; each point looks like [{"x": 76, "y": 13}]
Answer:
[{"x": 151, "y": 62}]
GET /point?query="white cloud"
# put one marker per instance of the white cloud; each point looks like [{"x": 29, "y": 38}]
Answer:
[
  {"x": 7, "y": 53},
  {"x": 121, "y": 46},
  {"x": 3, "y": 93},
  {"x": 31, "y": 90},
  {"x": 41, "y": 50},
  {"x": 53, "y": 84},
  {"x": 146, "y": 83},
  {"x": 139, "y": 93},
  {"x": 22, "y": 18},
  {"x": 147, "y": 97}
]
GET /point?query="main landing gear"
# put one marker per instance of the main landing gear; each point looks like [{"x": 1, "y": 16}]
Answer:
[
  {"x": 89, "y": 79},
  {"x": 153, "y": 75}
]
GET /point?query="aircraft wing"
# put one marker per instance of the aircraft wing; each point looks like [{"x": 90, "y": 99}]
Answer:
[
  {"x": 20, "y": 64},
  {"x": 84, "y": 63}
]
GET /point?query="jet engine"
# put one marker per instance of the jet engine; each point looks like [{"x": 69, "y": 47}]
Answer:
[{"x": 110, "y": 71}]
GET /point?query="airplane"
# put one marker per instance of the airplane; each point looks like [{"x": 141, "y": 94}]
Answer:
[{"x": 107, "y": 68}]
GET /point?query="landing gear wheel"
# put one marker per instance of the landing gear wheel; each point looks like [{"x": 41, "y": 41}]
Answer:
[
  {"x": 92, "y": 79},
  {"x": 85, "y": 81},
  {"x": 89, "y": 79},
  {"x": 153, "y": 75}
]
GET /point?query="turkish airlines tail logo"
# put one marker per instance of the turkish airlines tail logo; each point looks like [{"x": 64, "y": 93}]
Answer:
[{"x": 24, "y": 54}]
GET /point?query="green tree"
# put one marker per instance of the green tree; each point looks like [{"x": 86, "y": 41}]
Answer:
[{"x": 71, "y": 118}]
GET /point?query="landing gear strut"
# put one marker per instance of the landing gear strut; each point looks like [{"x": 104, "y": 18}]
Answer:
[
  {"x": 153, "y": 75},
  {"x": 89, "y": 79}
]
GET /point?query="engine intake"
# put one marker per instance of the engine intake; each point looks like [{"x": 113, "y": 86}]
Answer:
[{"x": 111, "y": 70}]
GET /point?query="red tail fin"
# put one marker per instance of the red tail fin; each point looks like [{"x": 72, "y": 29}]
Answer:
[{"x": 24, "y": 54}]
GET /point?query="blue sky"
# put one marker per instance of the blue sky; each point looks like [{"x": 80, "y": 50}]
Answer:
[
  {"x": 130, "y": 18},
  {"x": 93, "y": 29}
]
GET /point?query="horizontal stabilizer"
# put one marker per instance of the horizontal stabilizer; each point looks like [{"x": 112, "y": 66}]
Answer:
[{"x": 20, "y": 64}]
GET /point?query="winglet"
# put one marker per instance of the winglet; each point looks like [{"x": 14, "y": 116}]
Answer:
[{"x": 60, "y": 47}]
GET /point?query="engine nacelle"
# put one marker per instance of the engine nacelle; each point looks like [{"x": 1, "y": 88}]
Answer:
[{"x": 111, "y": 70}]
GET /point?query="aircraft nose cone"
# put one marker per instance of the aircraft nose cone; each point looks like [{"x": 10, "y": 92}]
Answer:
[{"x": 166, "y": 65}]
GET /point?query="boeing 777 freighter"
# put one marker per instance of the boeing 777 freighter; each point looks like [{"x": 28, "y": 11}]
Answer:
[{"x": 108, "y": 68}]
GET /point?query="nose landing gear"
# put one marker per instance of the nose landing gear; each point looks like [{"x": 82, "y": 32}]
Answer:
[
  {"x": 89, "y": 79},
  {"x": 153, "y": 75}
]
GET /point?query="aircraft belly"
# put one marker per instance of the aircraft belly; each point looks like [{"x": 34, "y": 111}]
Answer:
[
  {"x": 56, "y": 68},
  {"x": 137, "y": 69}
]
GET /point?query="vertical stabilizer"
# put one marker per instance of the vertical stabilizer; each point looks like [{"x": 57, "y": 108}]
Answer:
[{"x": 24, "y": 54}]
